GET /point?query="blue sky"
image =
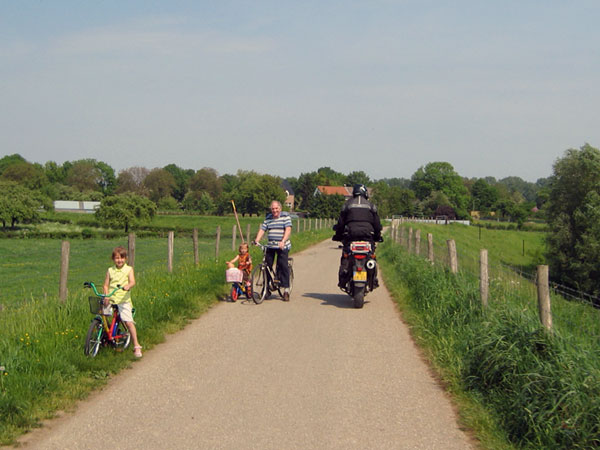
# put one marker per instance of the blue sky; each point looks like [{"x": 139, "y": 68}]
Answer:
[{"x": 494, "y": 88}]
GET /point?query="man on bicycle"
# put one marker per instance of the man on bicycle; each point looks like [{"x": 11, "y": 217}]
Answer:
[
  {"x": 358, "y": 221},
  {"x": 278, "y": 226}
]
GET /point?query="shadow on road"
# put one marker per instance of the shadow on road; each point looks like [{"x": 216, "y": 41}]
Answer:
[{"x": 337, "y": 300}]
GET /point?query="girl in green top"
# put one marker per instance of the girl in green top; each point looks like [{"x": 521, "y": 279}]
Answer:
[{"x": 122, "y": 275}]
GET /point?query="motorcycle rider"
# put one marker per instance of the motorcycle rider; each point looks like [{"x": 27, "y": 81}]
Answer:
[{"x": 358, "y": 221}]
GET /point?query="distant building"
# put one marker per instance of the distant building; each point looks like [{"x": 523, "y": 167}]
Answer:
[
  {"x": 289, "y": 195},
  {"x": 75, "y": 206},
  {"x": 345, "y": 191}
]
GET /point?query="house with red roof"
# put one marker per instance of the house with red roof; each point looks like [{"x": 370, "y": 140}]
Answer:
[{"x": 345, "y": 191}]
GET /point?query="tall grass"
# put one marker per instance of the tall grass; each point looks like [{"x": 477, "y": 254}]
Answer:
[
  {"x": 518, "y": 384},
  {"x": 43, "y": 368}
]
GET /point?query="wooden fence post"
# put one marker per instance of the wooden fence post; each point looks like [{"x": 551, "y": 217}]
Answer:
[
  {"x": 418, "y": 242},
  {"x": 452, "y": 255},
  {"x": 131, "y": 249},
  {"x": 409, "y": 243},
  {"x": 64, "y": 270},
  {"x": 195, "y": 239},
  {"x": 543, "y": 290},
  {"x": 217, "y": 243},
  {"x": 430, "y": 254},
  {"x": 170, "y": 242},
  {"x": 402, "y": 231},
  {"x": 484, "y": 281},
  {"x": 233, "y": 236}
]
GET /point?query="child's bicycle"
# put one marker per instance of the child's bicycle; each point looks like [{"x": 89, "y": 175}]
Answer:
[
  {"x": 238, "y": 287},
  {"x": 265, "y": 280},
  {"x": 105, "y": 329}
]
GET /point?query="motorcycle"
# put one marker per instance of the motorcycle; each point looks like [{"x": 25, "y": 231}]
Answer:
[{"x": 363, "y": 266}]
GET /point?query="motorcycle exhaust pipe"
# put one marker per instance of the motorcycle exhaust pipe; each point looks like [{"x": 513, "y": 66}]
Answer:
[{"x": 371, "y": 264}]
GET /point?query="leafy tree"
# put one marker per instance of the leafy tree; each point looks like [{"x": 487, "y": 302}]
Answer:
[
  {"x": 440, "y": 176},
  {"x": 199, "y": 201},
  {"x": 255, "y": 192},
  {"x": 168, "y": 204},
  {"x": 358, "y": 177},
  {"x": 107, "y": 180},
  {"x": 159, "y": 183},
  {"x": 207, "y": 180},
  {"x": 132, "y": 180},
  {"x": 84, "y": 175},
  {"x": 19, "y": 204},
  {"x": 182, "y": 178},
  {"x": 572, "y": 215},
  {"x": 431, "y": 204},
  {"x": 55, "y": 173},
  {"x": 484, "y": 195},
  {"x": 32, "y": 176},
  {"x": 9, "y": 160},
  {"x": 327, "y": 206},
  {"x": 125, "y": 211},
  {"x": 517, "y": 184}
]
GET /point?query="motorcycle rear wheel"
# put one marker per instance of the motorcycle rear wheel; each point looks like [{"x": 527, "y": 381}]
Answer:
[{"x": 358, "y": 295}]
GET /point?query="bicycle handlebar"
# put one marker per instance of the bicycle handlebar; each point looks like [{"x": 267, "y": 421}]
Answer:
[
  {"x": 263, "y": 247},
  {"x": 90, "y": 284}
]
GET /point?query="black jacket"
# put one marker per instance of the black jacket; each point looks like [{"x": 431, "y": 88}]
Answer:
[{"x": 358, "y": 221}]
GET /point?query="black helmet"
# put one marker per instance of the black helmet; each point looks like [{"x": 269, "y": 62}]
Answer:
[{"x": 360, "y": 189}]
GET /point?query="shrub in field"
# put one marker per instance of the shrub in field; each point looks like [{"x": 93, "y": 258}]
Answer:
[{"x": 125, "y": 211}]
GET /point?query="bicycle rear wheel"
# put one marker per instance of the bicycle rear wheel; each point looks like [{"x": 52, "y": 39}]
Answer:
[
  {"x": 281, "y": 289},
  {"x": 259, "y": 284},
  {"x": 93, "y": 338}
]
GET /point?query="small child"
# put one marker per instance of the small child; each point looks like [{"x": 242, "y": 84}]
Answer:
[
  {"x": 122, "y": 274},
  {"x": 244, "y": 264}
]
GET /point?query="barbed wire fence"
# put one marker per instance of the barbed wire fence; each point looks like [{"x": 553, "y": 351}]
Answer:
[{"x": 570, "y": 309}]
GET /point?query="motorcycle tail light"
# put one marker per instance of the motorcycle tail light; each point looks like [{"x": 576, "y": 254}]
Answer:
[{"x": 360, "y": 256}]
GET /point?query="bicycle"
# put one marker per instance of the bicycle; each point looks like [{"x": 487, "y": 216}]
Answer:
[
  {"x": 238, "y": 286},
  {"x": 264, "y": 278},
  {"x": 103, "y": 331}
]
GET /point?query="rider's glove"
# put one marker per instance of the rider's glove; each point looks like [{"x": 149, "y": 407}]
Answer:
[
  {"x": 336, "y": 238},
  {"x": 379, "y": 239}
]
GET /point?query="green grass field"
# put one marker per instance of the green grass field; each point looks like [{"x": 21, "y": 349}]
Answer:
[
  {"x": 31, "y": 267},
  {"x": 43, "y": 368}
]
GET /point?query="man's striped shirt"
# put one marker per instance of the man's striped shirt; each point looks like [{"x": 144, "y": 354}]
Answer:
[{"x": 275, "y": 229}]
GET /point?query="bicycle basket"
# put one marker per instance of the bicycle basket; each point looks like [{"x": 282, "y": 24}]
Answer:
[
  {"x": 96, "y": 305},
  {"x": 234, "y": 275}
]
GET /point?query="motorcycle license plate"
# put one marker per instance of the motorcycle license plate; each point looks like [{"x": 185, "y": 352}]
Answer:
[{"x": 360, "y": 276}]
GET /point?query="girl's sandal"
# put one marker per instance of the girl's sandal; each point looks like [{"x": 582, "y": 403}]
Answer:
[{"x": 137, "y": 351}]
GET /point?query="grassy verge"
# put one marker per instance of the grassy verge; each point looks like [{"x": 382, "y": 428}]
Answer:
[
  {"x": 43, "y": 368},
  {"x": 516, "y": 385}
]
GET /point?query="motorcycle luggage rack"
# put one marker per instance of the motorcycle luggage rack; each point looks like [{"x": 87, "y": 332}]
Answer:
[{"x": 360, "y": 247}]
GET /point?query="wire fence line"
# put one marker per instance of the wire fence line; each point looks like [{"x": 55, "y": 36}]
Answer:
[{"x": 576, "y": 310}]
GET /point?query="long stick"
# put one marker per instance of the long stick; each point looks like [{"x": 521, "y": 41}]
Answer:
[{"x": 238, "y": 222}]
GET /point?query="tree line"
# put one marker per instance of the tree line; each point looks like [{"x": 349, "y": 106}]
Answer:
[
  {"x": 434, "y": 189},
  {"x": 568, "y": 200}
]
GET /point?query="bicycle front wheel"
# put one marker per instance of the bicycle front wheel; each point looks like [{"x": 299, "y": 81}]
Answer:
[
  {"x": 93, "y": 338},
  {"x": 259, "y": 284}
]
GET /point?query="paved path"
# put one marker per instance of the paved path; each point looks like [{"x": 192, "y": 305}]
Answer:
[{"x": 313, "y": 373}]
